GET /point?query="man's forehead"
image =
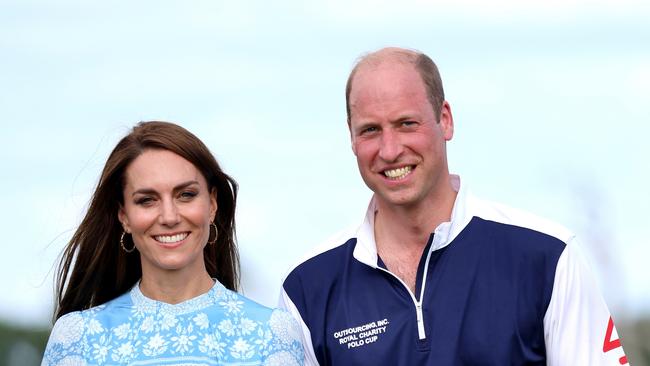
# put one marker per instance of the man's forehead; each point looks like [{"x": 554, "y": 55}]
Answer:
[
  {"x": 389, "y": 54},
  {"x": 385, "y": 76},
  {"x": 376, "y": 64}
]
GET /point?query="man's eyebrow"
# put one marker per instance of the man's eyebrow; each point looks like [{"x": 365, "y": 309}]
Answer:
[
  {"x": 405, "y": 117},
  {"x": 363, "y": 125}
]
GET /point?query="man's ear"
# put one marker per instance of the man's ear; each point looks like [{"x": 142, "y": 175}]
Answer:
[
  {"x": 354, "y": 148},
  {"x": 446, "y": 121}
]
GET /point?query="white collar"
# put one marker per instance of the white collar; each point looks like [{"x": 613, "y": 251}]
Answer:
[{"x": 366, "y": 247}]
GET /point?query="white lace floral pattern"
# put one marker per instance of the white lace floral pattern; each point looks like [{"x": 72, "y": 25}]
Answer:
[{"x": 220, "y": 327}]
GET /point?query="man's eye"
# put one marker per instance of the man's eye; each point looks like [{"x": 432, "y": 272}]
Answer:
[
  {"x": 369, "y": 130},
  {"x": 408, "y": 123}
]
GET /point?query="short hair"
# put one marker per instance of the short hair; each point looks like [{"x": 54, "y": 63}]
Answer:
[
  {"x": 422, "y": 63},
  {"x": 94, "y": 269}
]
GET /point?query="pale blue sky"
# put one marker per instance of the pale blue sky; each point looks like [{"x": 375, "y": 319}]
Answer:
[{"x": 550, "y": 101}]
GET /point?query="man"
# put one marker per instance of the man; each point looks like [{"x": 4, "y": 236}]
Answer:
[{"x": 435, "y": 276}]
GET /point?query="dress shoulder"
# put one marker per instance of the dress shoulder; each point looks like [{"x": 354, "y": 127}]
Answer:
[
  {"x": 287, "y": 334},
  {"x": 65, "y": 346},
  {"x": 279, "y": 337}
]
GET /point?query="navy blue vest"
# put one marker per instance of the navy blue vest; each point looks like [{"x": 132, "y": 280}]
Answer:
[{"x": 485, "y": 296}]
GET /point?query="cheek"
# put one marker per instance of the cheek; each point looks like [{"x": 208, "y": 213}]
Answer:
[
  {"x": 200, "y": 214},
  {"x": 364, "y": 150},
  {"x": 428, "y": 140},
  {"x": 140, "y": 220}
]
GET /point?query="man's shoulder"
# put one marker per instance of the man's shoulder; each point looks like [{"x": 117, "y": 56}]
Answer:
[
  {"x": 506, "y": 215},
  {"x": 329, "y": 251}
]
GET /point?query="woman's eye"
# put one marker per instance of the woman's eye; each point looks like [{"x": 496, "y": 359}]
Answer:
[
  {"x": 144, "y": 201},
  {"x": 187, "y": 195}
]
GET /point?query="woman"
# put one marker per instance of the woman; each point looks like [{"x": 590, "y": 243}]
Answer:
[{"x": 150, "y": 275}]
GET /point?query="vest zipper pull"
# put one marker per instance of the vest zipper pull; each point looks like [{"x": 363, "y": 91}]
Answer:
[{"x": 420, "y": 321}]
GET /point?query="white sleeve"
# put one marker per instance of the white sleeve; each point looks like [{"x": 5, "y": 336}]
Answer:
[
  {"x": 578, "y": 328},
  {"x": 286, "y": 303}
]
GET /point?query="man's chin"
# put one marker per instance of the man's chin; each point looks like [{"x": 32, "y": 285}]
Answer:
[{"x": 397, "y": 199}]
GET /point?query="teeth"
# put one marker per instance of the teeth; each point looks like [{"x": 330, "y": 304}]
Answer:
[
  {"x": 398, "y": 173},
  {"x": 171, "y": 238}
]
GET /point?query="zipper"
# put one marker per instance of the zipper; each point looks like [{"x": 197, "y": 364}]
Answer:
[
  {"x": 420, "y": 319},
  {"x": 418, "y": 304}
]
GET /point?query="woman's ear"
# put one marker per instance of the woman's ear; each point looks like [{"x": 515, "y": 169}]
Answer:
[
  {"x": 124, "y": 220},
  {"x": 213, "y": 204}
]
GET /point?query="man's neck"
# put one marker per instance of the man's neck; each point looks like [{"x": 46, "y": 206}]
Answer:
[
  {"x": 402, "y": 233},
  {"x": 414, "y": 223}
]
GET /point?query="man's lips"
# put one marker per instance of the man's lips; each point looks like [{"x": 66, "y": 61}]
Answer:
[{"x": 398, "y": 173}]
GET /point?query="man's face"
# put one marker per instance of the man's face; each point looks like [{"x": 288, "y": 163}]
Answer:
[{"x": 396, "y": 137}]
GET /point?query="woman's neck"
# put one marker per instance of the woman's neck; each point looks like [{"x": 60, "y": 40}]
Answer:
[{"x": 174, "y": 287}]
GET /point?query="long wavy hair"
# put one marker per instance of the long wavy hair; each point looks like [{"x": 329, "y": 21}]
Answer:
[{"x": 93, "y": 268}]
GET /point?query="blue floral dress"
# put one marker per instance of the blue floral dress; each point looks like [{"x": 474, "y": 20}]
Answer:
[{"x": 220, "y": 327}]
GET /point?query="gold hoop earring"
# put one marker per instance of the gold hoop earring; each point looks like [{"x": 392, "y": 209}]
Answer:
[
  {"x": 122, "y": 243},
  {"x": 216, "y": 233}
]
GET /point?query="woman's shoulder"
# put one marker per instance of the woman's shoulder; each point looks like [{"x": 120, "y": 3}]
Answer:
[
  {"x": 232, "y": 302},
  {"x": 70, "y": 327},
  {"x": 275, "y": 331},
  {"x": 66, "y": 342}
]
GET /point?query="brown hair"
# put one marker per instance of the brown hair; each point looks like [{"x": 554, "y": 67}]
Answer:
[
  {"x": 422, "y": 63},
  {"x": 94, "y": 269}
]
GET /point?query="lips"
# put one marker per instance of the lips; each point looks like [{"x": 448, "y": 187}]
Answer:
[
  {"x": 171, "y": 239},
  {"x": 398, "y": 173}
]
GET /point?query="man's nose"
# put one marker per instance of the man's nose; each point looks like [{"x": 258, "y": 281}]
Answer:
[{"x": 391, "y": 146}]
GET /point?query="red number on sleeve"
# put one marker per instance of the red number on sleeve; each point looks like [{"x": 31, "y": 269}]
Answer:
[{"x": 610, "y": 343}]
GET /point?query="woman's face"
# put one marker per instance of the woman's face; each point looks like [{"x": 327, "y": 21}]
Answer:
[{"x": 167, "y": 210}]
